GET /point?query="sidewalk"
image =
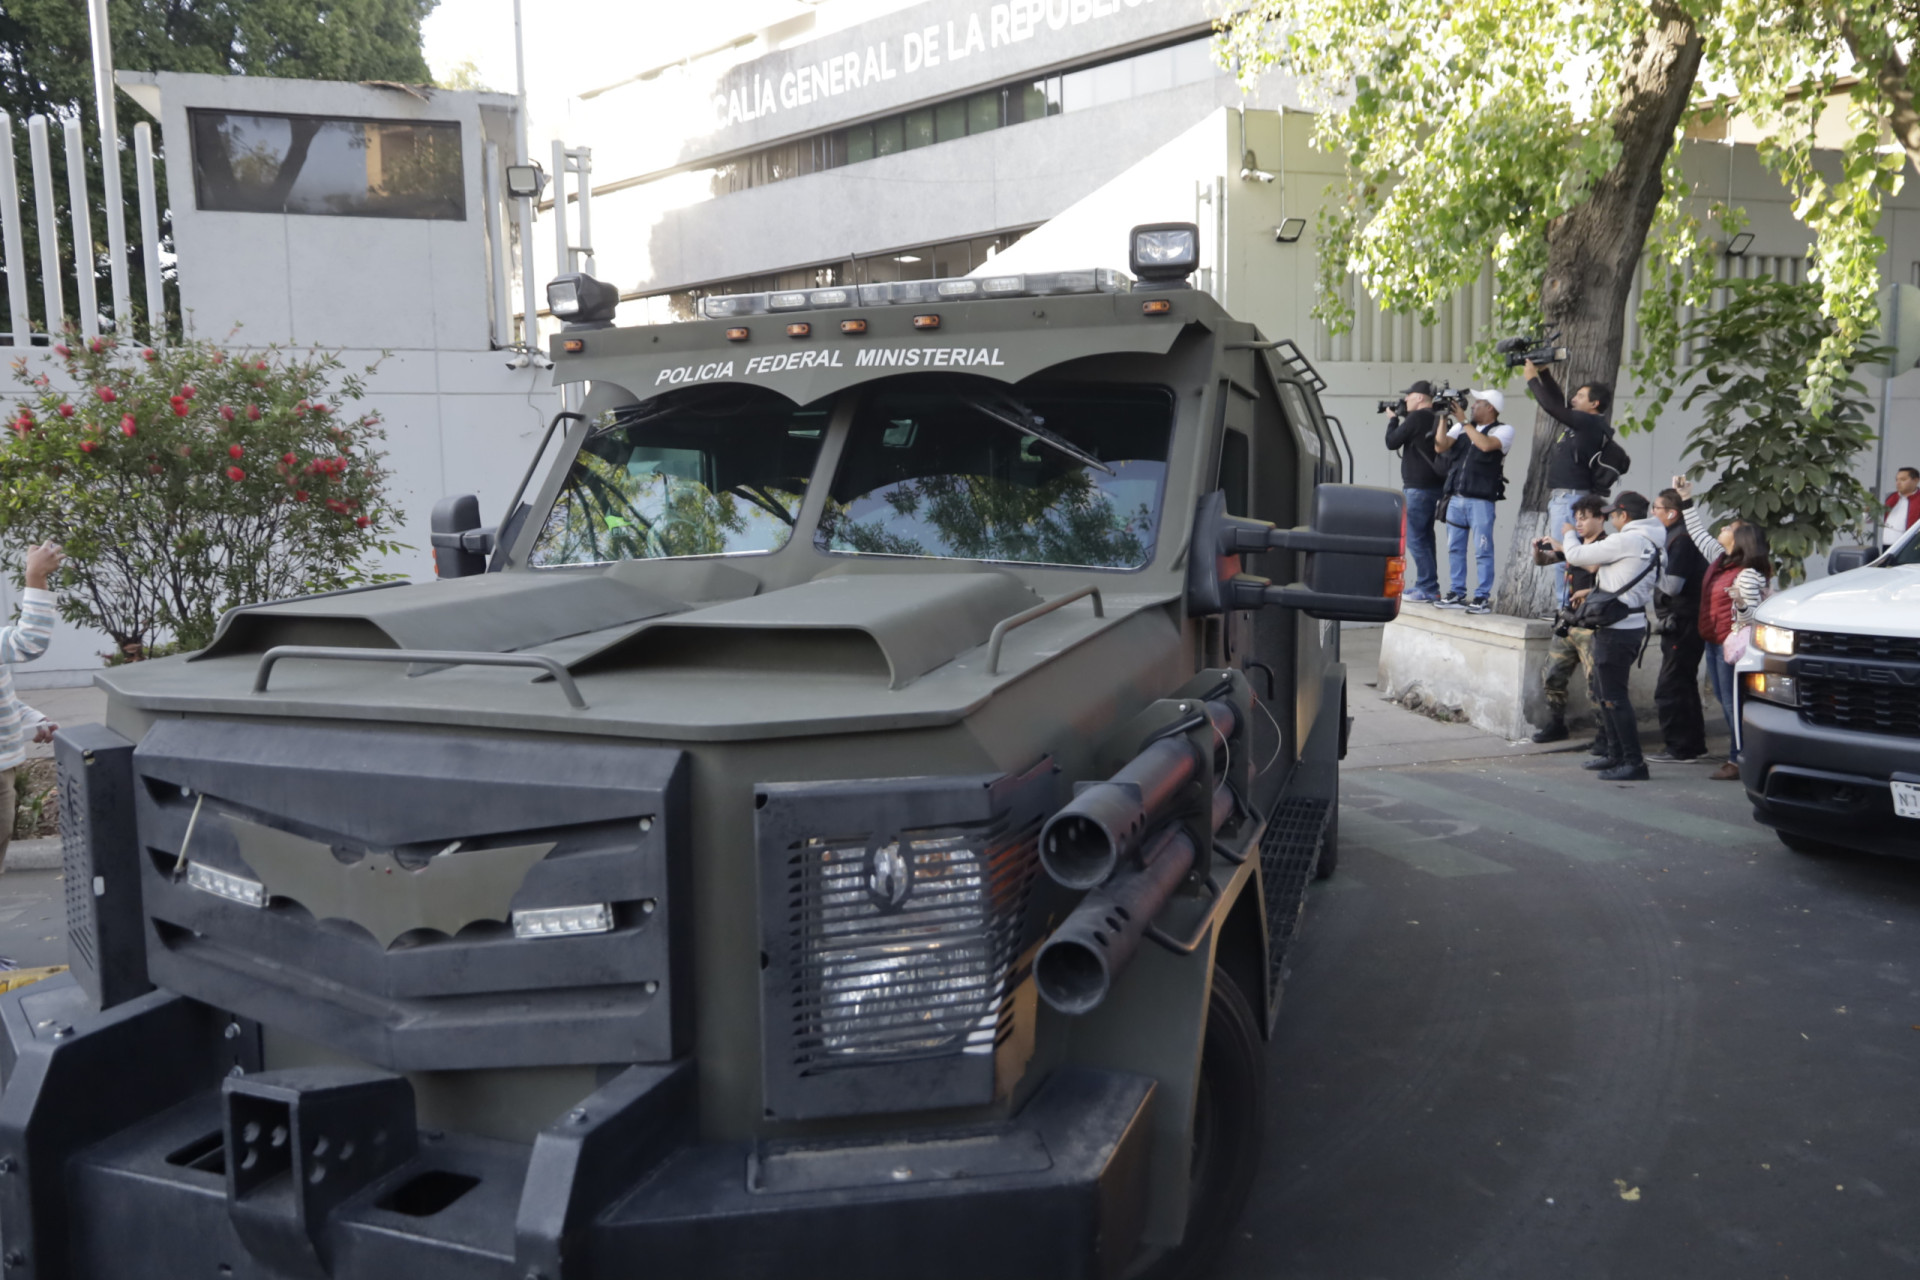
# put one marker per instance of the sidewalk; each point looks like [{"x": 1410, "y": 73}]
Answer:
[{"x": 1386, "y": 735}]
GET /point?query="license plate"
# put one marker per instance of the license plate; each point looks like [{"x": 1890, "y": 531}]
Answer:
[{"x": 1906, "y": 799}]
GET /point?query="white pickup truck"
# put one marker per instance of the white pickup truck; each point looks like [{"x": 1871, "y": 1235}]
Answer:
[{"x": 1829, "y": 698}]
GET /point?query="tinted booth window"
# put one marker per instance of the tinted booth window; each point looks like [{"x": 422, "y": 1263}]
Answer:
[{"x": 316, "y": 165}]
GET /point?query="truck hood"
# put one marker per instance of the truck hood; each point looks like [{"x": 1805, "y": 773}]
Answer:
[
  {"x": 1867, "y": 601},
  {"x": 708, "y": 657}
]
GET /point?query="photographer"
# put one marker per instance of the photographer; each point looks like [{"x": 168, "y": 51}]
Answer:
[
  {"x": 1476, "y": 479},
  {"x": 1626, "y": 566},
  {"x": 1573, "y": 646},
  {"x": 1676, "y": 611},
  {"x": 1583, "y": 433},
  {"x": 1411, "y": 431}
]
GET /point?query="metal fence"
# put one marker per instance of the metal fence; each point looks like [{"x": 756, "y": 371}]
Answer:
[{"x": 80, "y": 253}]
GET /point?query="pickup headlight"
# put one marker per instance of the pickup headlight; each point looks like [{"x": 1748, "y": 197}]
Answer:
[
  {"x": 1768, "y": 638},
  {"x": 1769, "y": 686}
]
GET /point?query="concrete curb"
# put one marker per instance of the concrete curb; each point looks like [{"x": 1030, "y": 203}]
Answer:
[{"x": 34, "y": 855}]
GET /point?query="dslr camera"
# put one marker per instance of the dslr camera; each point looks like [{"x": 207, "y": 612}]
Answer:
[{"x": 1545, "y": 350}]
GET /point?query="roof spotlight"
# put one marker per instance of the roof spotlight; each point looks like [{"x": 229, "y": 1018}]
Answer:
[
  {"x": 578, "y": 298},
  {"x": 1164, "y": 252}
]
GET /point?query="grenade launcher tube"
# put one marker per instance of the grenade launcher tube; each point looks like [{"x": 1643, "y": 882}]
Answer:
[{"x": 1083, "y": 843}]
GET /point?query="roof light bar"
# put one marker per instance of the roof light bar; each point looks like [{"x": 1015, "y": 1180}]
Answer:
[{"x": 920, "y": 292}]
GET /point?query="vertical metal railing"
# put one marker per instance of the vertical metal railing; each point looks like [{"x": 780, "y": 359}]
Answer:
[{"x": 84, "y": 260}]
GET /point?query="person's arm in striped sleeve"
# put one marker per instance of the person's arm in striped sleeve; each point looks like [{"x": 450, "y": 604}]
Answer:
[{"x": 27, "y": 639}]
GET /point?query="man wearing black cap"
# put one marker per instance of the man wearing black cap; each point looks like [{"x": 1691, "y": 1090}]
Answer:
[
  {"x": 1421, "y": 475},
  {"x": 1626, "y": 566}
]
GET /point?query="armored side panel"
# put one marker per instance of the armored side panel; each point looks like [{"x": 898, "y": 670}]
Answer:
[
  {"x": 356, "y": 887},
  {"x": 100, "y": 854}
]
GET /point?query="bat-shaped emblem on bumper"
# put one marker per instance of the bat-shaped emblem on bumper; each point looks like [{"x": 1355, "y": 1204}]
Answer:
[{"x": 377, "y": 893}]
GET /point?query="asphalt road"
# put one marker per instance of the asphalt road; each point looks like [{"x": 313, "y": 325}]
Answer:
[{"x": 1540, "y": 1026}]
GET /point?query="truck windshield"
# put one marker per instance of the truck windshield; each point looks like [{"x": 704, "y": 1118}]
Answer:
[
  {"x": 944, "y": 470},
  {"x": 711, "y": 471}
]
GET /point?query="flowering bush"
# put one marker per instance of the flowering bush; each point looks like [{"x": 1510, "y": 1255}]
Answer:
[{"x": 187, "y": 479}]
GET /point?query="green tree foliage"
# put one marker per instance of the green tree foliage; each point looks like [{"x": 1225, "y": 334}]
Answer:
[
  {"x": 187, "y": 479},
  {"x": 1780, "y": 465},
  {"x": 46, "y": 68}
]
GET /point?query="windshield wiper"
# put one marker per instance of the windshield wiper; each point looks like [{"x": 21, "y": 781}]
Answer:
[{"x": 1011, "y": 413}]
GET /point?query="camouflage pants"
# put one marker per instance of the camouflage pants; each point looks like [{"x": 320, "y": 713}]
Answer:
[{"x": 1575, "y": 649}]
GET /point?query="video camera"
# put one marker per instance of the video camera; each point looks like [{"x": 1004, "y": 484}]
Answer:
[
  {"x": 1443, "y": 401},
  {"x": 1545, "y": 350}
]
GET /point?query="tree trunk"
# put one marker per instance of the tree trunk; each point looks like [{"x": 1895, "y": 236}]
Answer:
[{"x": 1592, "y": 253}]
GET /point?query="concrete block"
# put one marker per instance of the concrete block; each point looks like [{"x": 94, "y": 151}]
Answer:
[{"x": 1492, "y": 668}]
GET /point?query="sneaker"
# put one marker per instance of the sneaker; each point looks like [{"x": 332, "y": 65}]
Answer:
[
  {"x": 1667, "y": 757},
  {"x": 1452, "y": 600},
  {"x": 1600, "y": 763},
  {"x": 1480, "y": 605},
  {"x": 1624, "y": 772},
  {"x": 1417, "y": 597},
  {"x": 1554, "y": 732}
]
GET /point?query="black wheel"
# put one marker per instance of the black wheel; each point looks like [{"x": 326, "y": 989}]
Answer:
[{"x": 1229, "y": 1123}]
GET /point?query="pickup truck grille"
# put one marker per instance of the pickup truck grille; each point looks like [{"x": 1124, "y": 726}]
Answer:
[
  {"x": 1862, "y": 707},
  {"x": 1841, "y": 644}
]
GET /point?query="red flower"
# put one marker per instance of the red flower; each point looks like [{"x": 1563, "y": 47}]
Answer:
[
  {"x": 97, "y": 345},
  {"x": 362, "y": 521},
  {"x": 156, "y": 469},
  {"x": 63, "y": 351},
  {"x": 226, "y": 412},
  {"x": 66, "y": 410},
  {"x": 260, "y": 364},
  {"x": 88, "y": 446},
  {"x": 127, "y": 425},
  {"x": 235, "y": 473},
  {"x": 299, "y": 495},
  {"x": 253, "y": 413},
  {"x": 235, "y": 451},
  {"x": 301, "y": 407},
  {"x": 189, "y": 391},
  {"x": 323, "y": 409},
  {"x": 179, "y": 406},
  {"x": 186, "y": 451},
  {"x": 219, "y": 357},
  {"x": 148, "y": 353},
  {"x": 109, "y": 394}
]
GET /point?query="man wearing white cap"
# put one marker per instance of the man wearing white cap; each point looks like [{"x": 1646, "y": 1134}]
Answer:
[{"x": 1475, "y": 482}]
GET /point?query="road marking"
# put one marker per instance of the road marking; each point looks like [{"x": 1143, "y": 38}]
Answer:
[
  {"x": 1560, "y": 838},
  {"x": 1436, "y": 857},
  {"x": 1643, "y": 812}
]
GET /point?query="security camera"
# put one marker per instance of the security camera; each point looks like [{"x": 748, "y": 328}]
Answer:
[
  {"x": 1255, "y": 175},
  {"x": 519, "y": 360}
]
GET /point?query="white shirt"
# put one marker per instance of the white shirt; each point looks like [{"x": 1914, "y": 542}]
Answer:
[{"x": 1499, "y": 431}]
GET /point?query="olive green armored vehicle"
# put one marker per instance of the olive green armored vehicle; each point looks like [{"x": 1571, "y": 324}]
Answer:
[{"x": 846, "y": 820}]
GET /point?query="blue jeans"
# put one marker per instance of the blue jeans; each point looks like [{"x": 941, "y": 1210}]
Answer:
[
  {"x": 1470, "y": 518},
  {"x": 1721, "y": 673},
  {"x": 1420, "y": 545},
  {"x": 1560, "y": 511}
]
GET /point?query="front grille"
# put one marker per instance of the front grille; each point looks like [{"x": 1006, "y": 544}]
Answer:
[
  {"x": 905, "y": 947},
  {"x": 1859, "y": 706},
  {"x": 1842, "y": 644}
]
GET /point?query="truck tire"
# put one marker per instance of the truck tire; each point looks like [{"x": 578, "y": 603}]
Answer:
[{"x": 1229, "y": 1124}]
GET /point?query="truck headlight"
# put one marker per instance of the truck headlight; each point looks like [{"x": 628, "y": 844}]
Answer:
[
  {"x": 1768, "y": 638},
  {"x": 1770, "y": 686}
]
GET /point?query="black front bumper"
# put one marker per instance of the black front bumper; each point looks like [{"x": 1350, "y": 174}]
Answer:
[
  {"x": 1829, "y": 785},
  {"x": 130, "y": 1147}
]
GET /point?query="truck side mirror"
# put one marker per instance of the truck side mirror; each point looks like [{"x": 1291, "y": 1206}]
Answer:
[
  {"x": 460, "y": 544},
  {"x": 1841, "y": 559},
  {"x": 1356, "y": 548}
]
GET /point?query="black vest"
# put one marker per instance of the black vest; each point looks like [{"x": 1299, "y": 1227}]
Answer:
[{"x": 1478, "y": 473}]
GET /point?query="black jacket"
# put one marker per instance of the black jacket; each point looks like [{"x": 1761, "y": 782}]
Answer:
[
  {"x": 1581, "y": 436},
  {"x": 1475, "y": 472},
  {"x": 1412, "y": 435},
  {"x": 1685, "y": 562}
]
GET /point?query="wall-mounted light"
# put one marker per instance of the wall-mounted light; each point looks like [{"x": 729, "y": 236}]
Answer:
[
  {"x": 525, "y": 181},
  {"x": 1738, "y": 246},
  {"x": 1289, "y": 230}
]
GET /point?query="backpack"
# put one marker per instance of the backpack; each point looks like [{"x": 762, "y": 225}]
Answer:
[
  {"x": 1609, "y": 464},
  {"x": 1604, "y": 608}
]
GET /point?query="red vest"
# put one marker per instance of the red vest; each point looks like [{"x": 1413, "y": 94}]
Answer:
[{"x": 1716, "y": 606}]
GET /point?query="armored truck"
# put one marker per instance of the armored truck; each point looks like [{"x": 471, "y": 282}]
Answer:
[{"x": 845, "y": 819}]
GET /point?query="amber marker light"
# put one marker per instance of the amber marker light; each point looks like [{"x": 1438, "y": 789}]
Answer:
[
  {"x": 799, "y": 330},
  {"x": 926, "y": 322},
  {"x": 573, "y": 346},
  {"x": 853, "y": 326},
  {"x": 1156, "y": 307},
  {"x": 737, "y": 334}
]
